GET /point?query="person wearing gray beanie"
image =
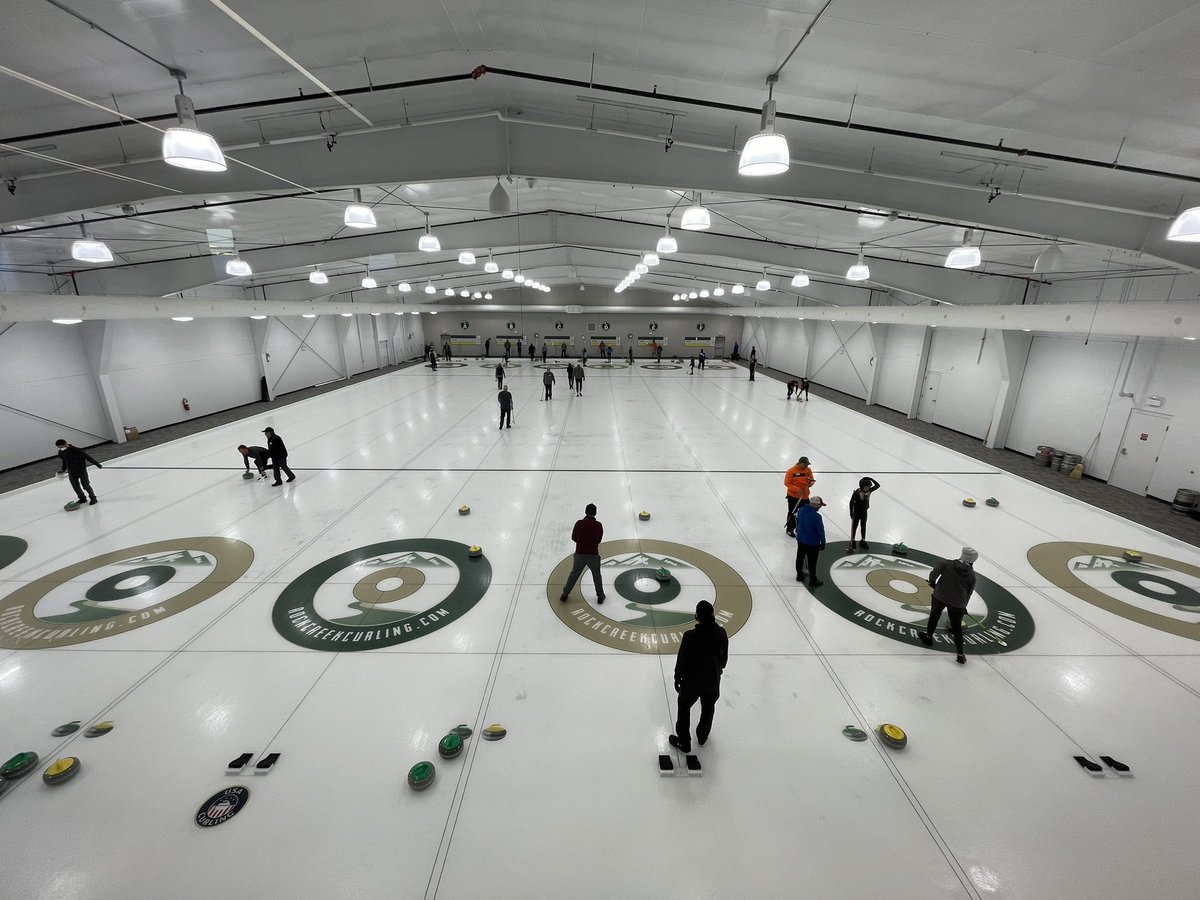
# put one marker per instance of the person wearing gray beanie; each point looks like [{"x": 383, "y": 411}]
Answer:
[{"x": 953, "y": 582}]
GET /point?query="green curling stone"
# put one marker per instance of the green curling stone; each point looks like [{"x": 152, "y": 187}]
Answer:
[
  {"x": 19, "y": 765},
  {"x": 969, "y": 502},
  {"x": 854, "y": 733},
  {"x": 662, "y": 575},
  {"x": 463, "y": 731},
  {"x": 68, "y": 728},
  {"x": 474, "y": 551},
  {"x": 99, "y": 729},
  {"x": 61, "y": 770},
  {"x": 464, "y": 510},
  {"x": 992, "y": 501},
  {"x": 892, "y": 736},
  {"x": 644, "y": 515},
  {"x": 494, "y": 732},
  {"x": 246, "y": 476},
  {"x": 1133, "y": 556},
  {"x": 73, "y": 504},
  {"x": 421, "y": 775},
  {"x": 900, "y": 549},
  {"x": 450, "y": 746}
]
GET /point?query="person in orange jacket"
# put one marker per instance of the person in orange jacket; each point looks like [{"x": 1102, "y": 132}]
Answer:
[{"x": 798, "y": 481}]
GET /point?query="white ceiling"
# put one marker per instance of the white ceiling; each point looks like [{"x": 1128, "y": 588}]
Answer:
[{"x": 1099, "y": 80}]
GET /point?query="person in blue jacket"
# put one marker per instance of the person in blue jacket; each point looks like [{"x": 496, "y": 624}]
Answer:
[{"x": 810, "y": 539}]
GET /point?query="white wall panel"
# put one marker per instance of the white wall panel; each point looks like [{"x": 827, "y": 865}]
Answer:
[
  {"x": 44, "y": 375},
  {"x": 899, "y": 366},
  {"x": 970, "y": 368},
  {"x": 841, "y": 357},
  {"x": 303, "y": 352},
  {"x": 1065, "y": 396}
]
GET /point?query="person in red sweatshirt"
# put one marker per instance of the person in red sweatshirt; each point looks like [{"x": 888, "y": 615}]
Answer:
[{"x": 587, "y": 535}]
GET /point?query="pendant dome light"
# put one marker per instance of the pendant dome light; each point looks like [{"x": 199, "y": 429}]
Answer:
[
  {"x": 764, "y": 284},
  {"x": 519, "y": 278},
  {"x": 800, "y": 279},
  {"x": 718, "y": 291},
  {"x": 368, "y": 282},
  {"x": 90, "y": 250},
  {"x": 966, "y": 256},
  {"x": 429, "y": 288},
  {"x": 318, "y": 277},
  {"x": 404, "y": 287},
  {"x": 499, "y": 202},
  {"x": 1186, "y": 227},
  {"x": 1049, "y": 260},
  {"x": 650, "y": 259},
  {"x": 641, "y": 268},
  {"x": 487, "y": 296},
  {"x": 238, "y": 268},
  {"x": 695, "y": 217},
  {"x": 738, "y": 288},
  {"x": 667, "y": 243},
  {"x": 465, "y": 294},
  {"x": 428, "y": 242},
  {"x": 507, "y": 275},
  {"x": 185, "y": 145},
  {"x": 466, "y": 258},
  {"x": 448, "y": 292},
  {"x": 490, "y": 266},
  {"x": 860, "y": 271},
  {"x": 357, "y": 215},
  {"x": 766, "y": 153}
]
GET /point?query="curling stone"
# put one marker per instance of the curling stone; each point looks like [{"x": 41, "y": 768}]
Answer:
[
  {"x": 494, "y": 732},
  {"x": 854, "y": 733},
  {"x": 644, "y": 515},
  {"x": 969, "y": 502},
  {"x": 464, "y": 510},
  {"x": 246, "y": 476},
  {"x": 73, "y": 504},
  {"x": 463, "y": 731},
  {"x": 992, "y": 501},
  {"x": 99, "y": 729},
  {"x": 61, "y": 770},
  {"x": 18, "y": 765},
  {"x": 662, "y": 575},
  {"x": 892, "y": 736},
  {"x": 450, "y": 746},
  {"x": 68, "y": 728},
  {"x": 900, "y": 549},
  {"x": 474, "y": 551},
  {"x": 421, "y": 775},
  {"x": 1133, "y": 556}
]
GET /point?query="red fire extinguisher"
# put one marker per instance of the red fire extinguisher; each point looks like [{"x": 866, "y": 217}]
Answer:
[{"x": 187, "y": 406}]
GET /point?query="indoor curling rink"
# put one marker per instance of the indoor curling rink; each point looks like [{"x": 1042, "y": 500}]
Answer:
[{"x": 341, "y": 622}]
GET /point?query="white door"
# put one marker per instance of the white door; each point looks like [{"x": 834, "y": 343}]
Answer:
[
  {"x": 385, "y": 353},
  {"x": 1138, "y": 455},
  {"x": 929, "y": 395}
]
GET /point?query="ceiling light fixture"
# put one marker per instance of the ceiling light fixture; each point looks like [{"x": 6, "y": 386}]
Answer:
[
  {"x": 309, "y": 316},
  {"x": 766, "y": 153},
  {"x": 185, "y": 145},
  {"x": 641, "y": 268},
  {"x": 718, "y": 291},
  {"x": 507, "y": 275},
  {"x": 860, "y": 271},
  {"x": 238, "y": 268},
  {"x": 428, "y": 242},
  {"x": 667, "y": 243},
  {"x": 404, "y": 287},
  {"x": 1049, "y": 260},
  {"x": 1186, "y": 227},
  {"x": 347, "y": 315},
  {"x": 487, "y": 296},
  {"x": 650, "y": 259},
  {"x": 738, "y": 288},
  {"x": 490, "y": 266},
  {"x": 477, "y": 296},
  {"x": 695, "y": 217},
  {"x": 258, "y": 318},
  {"x": 466, "y": 258},
  {"x": 704, "y": 293},
  {"x": 429, "y": 288},
  {"x": 357, "y": 215},
  {"x": 448, "y": 292},
  {"x": 519, "y": 278},
  {"x": 499, "y": 201},
  {"x": 89, "y": 249},
  {"x": 182, "y": 318},
  {"x": 74, "y": 321},
  {"x": 869, "y": 217},
  {"x": 800, "y": 279},
  {"x": 318, "y": 277},
  {"x": 966, "y": 256},
  {"x": 764, "y": 283},
  {"x": 368, "y": 282}
]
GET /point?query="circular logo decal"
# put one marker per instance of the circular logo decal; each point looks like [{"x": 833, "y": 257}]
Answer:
[
  {"x": 464, "y": 324},
  {"x": 1157, "y": 591},
  {"x": 11, "y": 549},
  {"x": 120, "y": 591},
  {"x": 699, "y": 326},
  {"x": 558, "y": 326},
  {"x": 891, "y": 595},
  {"x": 605, "y": 326},
  {"x": 222, "y": 806},
  {"x": 381, "y": 595},
  {"x": 643, "y": 614},
  {"x": 511, "y": 326},
  {"x": 654, "y": 326}
]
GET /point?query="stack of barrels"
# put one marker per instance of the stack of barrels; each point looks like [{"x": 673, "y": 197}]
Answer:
[{"x": 1187, "y": 503}]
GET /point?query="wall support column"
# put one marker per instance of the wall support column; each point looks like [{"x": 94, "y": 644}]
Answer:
[
  {"x": 1014, "y": 351},
  {"x": 914, "y": 402},
  {"x": 97, "y": 344}
]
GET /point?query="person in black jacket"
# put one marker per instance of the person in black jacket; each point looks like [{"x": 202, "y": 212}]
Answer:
[
  {"x": 860, "y": 505},
  {"x": 74, "y": 464},
  {"x": 703, "y": 653},
  {"x": 260, "y": 455},
  {"x": 278, "y": 451},
  {"x": 506, "y": 404}
]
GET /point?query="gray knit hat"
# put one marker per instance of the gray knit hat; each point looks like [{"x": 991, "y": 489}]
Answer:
[{"x": 969, "y": 555}]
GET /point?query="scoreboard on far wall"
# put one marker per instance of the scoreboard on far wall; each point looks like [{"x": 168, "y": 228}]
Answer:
[{"x": 653, "y": 339}]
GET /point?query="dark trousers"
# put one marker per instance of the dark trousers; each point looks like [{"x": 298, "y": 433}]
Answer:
[
  {"x": 807, "y": 552},
  {"x": 579, "y": 386},
  {"x": 80, "y": 483},
  {"x": 752, "y": 373},
  {"x": 588, "y": 560},
  {"x": 506, "y": 415},
  {"x": 859, "y": 523},
  {"x": 954, "y": 614},
  {"x": 280, "y": 462},
  {"x": 499, "y": 382},
  {"x": 790, "y": 522},
  {"x": 549, "y": 391},
  {"x": 683, "y": 723}
]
